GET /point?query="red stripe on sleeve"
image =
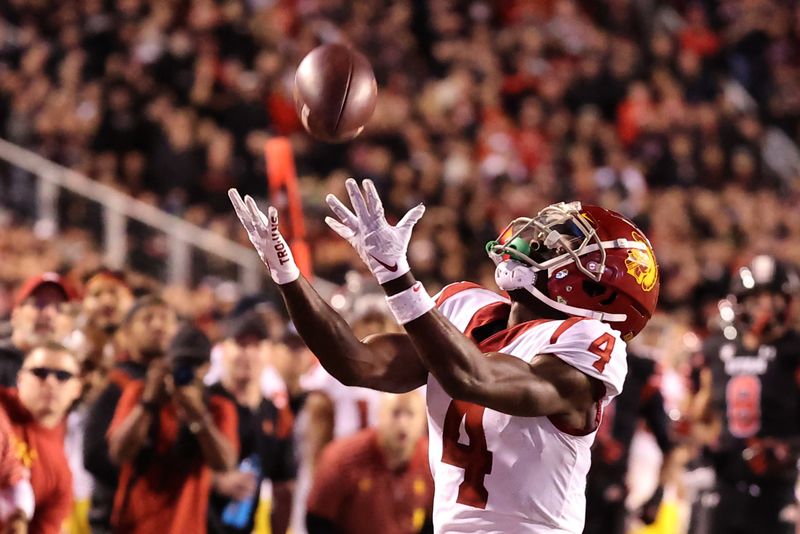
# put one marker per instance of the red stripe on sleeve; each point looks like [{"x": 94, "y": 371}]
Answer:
[
  {"x": 453, "y": 289},
  {"x": 563, "y": 327}
]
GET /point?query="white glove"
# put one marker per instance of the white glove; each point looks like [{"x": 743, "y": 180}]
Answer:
[
  {"x": 381, "y": 246},
  {"x": 266, "y": 238}
]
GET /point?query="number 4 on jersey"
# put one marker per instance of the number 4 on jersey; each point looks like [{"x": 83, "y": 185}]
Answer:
[
  {"x": 475, "y": 459},
  {"x": 603, "y": 346}
]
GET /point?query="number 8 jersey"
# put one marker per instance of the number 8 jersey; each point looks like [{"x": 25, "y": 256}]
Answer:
[{"x": 496, "y": 473}]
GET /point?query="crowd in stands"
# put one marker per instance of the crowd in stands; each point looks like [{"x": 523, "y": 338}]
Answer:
[{"x": 487, "y": 110}]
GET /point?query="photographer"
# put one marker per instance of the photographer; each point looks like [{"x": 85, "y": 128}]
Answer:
[{"x": 167, "y": 435}]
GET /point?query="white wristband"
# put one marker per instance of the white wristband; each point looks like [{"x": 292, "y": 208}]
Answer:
[
  {"x": 410, "y": 304},
  {"x": 287, "y": 274}
]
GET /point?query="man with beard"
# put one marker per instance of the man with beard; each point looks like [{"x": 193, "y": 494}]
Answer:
[
  {"x": 34, "y": 320},
  {"x": 752, "y": 400},
  {"x": 106, "y": 300},
  {"x": 145, "y": 333}
]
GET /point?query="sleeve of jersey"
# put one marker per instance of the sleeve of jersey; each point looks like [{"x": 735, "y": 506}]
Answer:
[
  {"x": 593, "y": 348},
  {"x": 459, "y": 301}
]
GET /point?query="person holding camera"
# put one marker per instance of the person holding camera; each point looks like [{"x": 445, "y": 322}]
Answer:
[{"x": 168, "y": 434}]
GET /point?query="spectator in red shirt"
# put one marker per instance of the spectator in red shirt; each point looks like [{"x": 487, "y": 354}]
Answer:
[
  {"x": 378, "y": 478},
  {"x": 697, "y": 36},
  {"x": 145, "y": 332},
  {"x": 47, "y": 386},
  {"x": 167, "y": 435}
]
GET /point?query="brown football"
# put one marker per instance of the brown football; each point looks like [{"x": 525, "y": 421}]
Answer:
[{"x": 335, "y": 92}]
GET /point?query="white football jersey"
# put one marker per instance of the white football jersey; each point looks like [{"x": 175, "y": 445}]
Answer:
[
  {"x": 497, "y": 473},
  {"x": 354, "y": 408}
]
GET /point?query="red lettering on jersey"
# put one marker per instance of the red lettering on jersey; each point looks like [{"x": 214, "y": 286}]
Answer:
[
  {"x": 602, "y": 347},
  {"x": 475, "y": 459}
]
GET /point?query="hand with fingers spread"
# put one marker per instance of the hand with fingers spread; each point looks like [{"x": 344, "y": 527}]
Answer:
[
  {"x": 381, "y": 246},
  {"x": 266, "y": 238}
]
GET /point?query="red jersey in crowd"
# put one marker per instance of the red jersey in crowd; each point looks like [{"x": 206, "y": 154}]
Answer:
[
  {"x": 355, "y": 490},
  {"x": 167, "y": 487},
  {"x": 41, "y": 450}
]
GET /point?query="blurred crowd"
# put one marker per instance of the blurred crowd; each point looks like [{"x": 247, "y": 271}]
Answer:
[
  {"x": 666, "y": 111},
  {"x": 124, "y": 416}
]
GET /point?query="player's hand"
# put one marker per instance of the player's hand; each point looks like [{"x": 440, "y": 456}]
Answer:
[
  {"x": 381, "y": 246},
  {"x": 266, "y": 238}
]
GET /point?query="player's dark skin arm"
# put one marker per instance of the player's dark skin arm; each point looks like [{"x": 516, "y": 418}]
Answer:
[
  {"x": 386, "y": 362},
  {"x": 546, "y": 386}
]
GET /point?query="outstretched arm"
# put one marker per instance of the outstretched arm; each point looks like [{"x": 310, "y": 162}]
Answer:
[
  {"x": 546, "y": 386},
  {"x": 384, "y": 362}
]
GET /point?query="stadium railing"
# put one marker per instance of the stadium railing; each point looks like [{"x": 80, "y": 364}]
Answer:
[{"x": 118, "y": 209}]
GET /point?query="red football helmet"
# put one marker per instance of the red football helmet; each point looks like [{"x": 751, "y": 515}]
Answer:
[{"x": 596, "y": 263}]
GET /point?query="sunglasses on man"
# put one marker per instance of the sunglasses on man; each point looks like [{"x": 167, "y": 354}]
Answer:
[{"x": 42, "y": 373}]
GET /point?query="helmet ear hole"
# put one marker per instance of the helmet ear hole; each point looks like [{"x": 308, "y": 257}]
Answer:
[
  {"x": 593, "y": 289},
  {"x": 610, "y": 300}
]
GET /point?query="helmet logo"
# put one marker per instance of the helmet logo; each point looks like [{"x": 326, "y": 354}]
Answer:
[{"x": 641, "y": 264}]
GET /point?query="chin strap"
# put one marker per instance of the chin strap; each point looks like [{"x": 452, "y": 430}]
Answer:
[{"x": 511, "y": 274}]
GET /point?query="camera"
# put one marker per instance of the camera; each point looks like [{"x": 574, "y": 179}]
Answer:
[{"x": 183, "y": 373}]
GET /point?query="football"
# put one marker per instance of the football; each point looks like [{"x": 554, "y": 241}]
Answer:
[{"x": 335, "y": 92}]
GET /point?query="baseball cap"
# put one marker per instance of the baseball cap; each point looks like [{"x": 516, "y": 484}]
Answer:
[
  {"x": 249, "y": 323},
  {"x": 257, "y": 302},
  {"x": 189, "y": 343},
  {"x": 35, "y": 282}
]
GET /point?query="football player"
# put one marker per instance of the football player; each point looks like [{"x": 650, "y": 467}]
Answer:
[
  {"x": 752, "y": 369},
  {"x": 515, "y": 386}
]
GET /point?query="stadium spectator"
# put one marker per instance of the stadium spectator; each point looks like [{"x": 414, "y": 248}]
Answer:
[
  {"x": 167, "y": 435},
  {"x": 47, "y": 386},
  {"x": 38, "y": 306},
  {"x": 378, "y": 476},
  {"x": 106, "y": 300},
  {"x": 145, "y": 333},
  {"x": 266, "y": 450}
]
